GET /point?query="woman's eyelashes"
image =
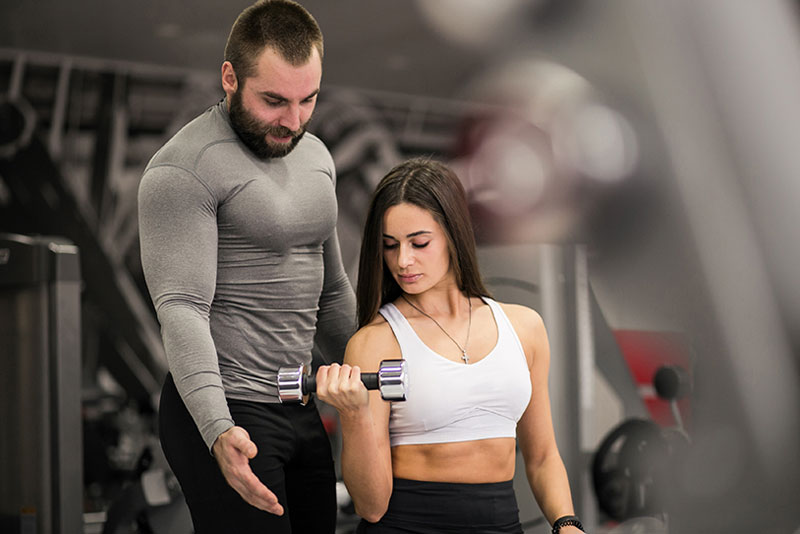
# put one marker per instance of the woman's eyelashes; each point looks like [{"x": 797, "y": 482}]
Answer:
[{"x": 390, "y": 246}]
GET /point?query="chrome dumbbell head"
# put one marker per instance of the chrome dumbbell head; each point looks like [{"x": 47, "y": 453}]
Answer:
[
  {"x": 290, "y": 383},
  {"x": 393, "y": 380}
]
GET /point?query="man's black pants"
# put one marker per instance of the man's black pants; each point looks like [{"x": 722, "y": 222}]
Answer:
[{"x": 294, "y": 461}]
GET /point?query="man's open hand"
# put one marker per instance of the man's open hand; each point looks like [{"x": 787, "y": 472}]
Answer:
[{"x": 233, "y": 450}]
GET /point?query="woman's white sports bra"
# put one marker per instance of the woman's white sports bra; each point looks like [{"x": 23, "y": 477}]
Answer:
[{"x": 449, "y": 401}]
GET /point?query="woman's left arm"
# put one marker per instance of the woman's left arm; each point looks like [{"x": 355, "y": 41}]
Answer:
[{"x": 544, "y": 468}]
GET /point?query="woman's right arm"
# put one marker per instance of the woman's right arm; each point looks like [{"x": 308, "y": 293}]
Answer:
[{"x": 364, "y": 419}]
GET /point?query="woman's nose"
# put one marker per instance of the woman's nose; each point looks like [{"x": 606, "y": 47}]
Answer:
[{"x": 405, "y": 256}]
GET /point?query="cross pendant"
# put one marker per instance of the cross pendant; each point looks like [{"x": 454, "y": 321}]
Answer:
[{"x": 465, "y": 357}]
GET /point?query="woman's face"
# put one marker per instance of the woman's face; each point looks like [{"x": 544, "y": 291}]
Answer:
[{"x": 415, "y": 248}]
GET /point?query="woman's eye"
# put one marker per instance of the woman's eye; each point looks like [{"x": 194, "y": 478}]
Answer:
[
  {"x": 421, "y": 245},
  {"x": 389, "y": 246}
]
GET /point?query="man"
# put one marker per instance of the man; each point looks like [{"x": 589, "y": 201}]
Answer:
[{"x": 237, "y": 217}]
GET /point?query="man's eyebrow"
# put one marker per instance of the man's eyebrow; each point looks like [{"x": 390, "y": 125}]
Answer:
[
  {"x": 412, "y": 234},
  {"x": 281, "y": 98}
]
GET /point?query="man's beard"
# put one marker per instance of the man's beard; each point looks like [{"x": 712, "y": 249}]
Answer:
[{"x": 253, "y": 132}]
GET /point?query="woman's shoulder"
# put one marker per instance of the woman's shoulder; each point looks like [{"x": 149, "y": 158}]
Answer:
[
  {"x": 529, "y": 326},
  {"x": 377, "y": 328},
  {"x": 524, "y": 315},
  {"x": 371, "y": 342}
]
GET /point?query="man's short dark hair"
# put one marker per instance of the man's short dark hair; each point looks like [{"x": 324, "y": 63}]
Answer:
[{"x": 283, "y": 25}]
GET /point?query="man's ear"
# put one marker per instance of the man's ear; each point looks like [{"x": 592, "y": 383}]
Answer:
[{"x": 230, "y": 83}]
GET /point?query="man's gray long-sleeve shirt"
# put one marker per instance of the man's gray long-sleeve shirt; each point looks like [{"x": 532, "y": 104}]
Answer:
[{"x": 242, "y": 261}]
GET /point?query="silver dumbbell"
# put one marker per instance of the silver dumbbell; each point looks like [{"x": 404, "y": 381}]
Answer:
[{"x": 295, "y": 383}]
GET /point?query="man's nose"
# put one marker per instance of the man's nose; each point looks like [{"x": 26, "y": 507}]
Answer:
[{"x": 291, "y": 118}]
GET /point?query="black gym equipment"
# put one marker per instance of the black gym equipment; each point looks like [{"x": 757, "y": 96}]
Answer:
[
  {"x": 632, "y": 468},
  {"x": 671, "y": 382},
  {"x": 296, "y": 383},
  {"x": 41, "y": 468},
  {"x": 628, "y": 470}
]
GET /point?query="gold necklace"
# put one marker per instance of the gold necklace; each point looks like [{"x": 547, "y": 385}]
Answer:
[{"x": 469, "y": 327}]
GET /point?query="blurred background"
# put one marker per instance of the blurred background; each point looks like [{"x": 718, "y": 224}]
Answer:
[{"x": 633, "y": 174}]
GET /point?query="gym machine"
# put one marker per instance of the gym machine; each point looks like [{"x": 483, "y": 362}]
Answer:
[
  {"x": 41, "y": 462},
  {"x": 633, "y": 467}
]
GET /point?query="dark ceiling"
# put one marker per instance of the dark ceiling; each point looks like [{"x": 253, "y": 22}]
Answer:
[
  {"x": 385, "y": 45},
  {"x": 411, "y": 47}
]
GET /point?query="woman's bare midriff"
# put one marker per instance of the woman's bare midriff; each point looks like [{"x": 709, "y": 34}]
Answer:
[{"x": 468, "y": 462}]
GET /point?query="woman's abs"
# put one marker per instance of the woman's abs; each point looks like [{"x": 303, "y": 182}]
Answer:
[{"x": 467, "y": 462}]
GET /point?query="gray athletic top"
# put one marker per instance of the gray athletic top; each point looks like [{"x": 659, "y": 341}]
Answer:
[{"x": 242, "y": 261}]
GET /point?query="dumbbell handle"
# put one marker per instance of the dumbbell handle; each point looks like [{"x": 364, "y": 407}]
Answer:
[{"x": 309, "y": 382}]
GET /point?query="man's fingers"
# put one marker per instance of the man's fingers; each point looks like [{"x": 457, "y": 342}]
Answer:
[
  {"x": 263, "y": 500},
  {"x": 242, "y": 479},
  {"x": 232, "y": 457},
  {"x": 257, "y": 494}
]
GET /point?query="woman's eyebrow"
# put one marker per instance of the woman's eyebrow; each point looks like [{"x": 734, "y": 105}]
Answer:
[{"x": 412, "y": 234}]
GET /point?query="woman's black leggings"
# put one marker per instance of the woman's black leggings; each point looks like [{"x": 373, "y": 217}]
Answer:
[
  {"x": 294, "y": 461},
  {"x": 443, "y": 507}
]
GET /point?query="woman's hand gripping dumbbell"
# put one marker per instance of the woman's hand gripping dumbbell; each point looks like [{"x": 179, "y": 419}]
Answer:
[{"x": 295, "y": 383}]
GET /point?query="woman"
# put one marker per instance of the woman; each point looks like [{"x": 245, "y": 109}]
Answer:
[{"x": 443, "y": 460}]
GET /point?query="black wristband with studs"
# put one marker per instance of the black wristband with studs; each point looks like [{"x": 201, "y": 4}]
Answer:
[{"x": 567, "y": 520}]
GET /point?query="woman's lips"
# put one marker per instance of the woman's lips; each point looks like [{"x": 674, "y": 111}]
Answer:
[{"x": 408, "y": 278}]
